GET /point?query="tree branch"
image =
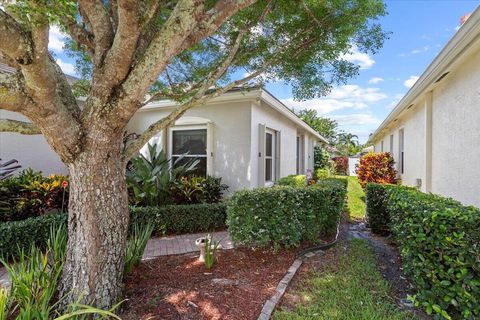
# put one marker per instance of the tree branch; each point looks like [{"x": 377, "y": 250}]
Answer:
[
  {"x": 14, "y": 40},
  {"x": 27, "y": 128},
  {"x": 99, "y": 18},
  {"x": 80, "y": 35},
  {"x": 186, "y": 26}
]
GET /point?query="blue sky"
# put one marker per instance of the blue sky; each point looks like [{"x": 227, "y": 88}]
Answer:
[{"x": 419, "y": 30}]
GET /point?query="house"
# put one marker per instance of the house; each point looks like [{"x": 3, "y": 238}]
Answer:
[
  {"x": 433, "y": 133},
  {"x": 249, "y": 138}
]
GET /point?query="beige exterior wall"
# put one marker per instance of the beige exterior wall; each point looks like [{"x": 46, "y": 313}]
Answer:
[
  {"x": 30, "y": 151},
  {"x": 230, "y": 138},
  {"x": 456, "y": 133},
  {"x": 455, "y": 129}
]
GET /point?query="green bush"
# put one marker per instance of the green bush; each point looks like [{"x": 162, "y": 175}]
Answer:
[
  {"x": 439, "y": 240},
  {"x": 321, "y": 158},
  {"x": 284, "y": 215},
  {"x": 293, "y": 180},
  {"x": 377, "y": 215},
  {"x": 23, "y": 234},
  {"x": 323, "y": 174},
  {"x": 181, "y": 218},
  {"x": 15, "y": 235}
]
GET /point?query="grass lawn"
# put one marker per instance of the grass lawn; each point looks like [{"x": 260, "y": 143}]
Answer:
[
  {"x": 349, "y": 288},
  {"x": 356, "y": 199}
]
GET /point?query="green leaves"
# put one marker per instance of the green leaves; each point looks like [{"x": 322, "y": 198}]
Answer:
[
  {"x": 439, "y": 241},
  {"x": 285, "y": 216}
]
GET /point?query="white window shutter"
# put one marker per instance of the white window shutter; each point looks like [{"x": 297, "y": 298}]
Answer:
[
  {"x": 261, "y": 154},
  {"x": 278, "y": 152},
  {"x": 210, "y": 148}
]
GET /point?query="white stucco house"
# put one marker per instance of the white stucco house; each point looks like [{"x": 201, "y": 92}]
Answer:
[
  {"x": 249, "y": 138},
  {"x": 433, "y": 133}
]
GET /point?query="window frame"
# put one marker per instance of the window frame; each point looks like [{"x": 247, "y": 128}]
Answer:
[
  {"x": 271, "y": 157},
  {"x": 401, "y": 151},
  {"x": 191, "y": 128}
]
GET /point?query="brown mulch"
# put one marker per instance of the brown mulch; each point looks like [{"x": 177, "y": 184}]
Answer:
[{"x": 180, "y": 287}]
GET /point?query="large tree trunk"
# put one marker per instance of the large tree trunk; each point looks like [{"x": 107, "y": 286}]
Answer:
[{"x": 97, "y": 226}]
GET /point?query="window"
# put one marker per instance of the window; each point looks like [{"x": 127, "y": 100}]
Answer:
[
  {"x": 381, "y": 148},
  {"x": 192, "y": 145},
  {"x": 391, "y": 145},
  {"x": 298, "y": 155},
  {"x": 269, "y": 156},
  {"x": 401, "y": 164}
]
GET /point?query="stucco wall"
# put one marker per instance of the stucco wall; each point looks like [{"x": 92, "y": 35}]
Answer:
[
  {"x": 231, "y": 138},
  {"x": 30, "y": 151},
  {"x": 456, "y": 133}
]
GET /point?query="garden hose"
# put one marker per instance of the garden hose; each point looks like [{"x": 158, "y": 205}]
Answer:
[{"x": 325, "y": 246}]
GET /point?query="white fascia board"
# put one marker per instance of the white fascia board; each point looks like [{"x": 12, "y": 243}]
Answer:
[
  {"x": 466, "y": 38},
  {"x": 276, "y": 104}
]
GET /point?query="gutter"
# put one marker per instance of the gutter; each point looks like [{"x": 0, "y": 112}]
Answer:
[{"x": 464, "y": 38}]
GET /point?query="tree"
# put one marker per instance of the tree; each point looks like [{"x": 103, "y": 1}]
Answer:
[
  {"x": 189, "y": 51},
  {"x": 348, "y": 143},
  {"x": 326, "y": 127}
]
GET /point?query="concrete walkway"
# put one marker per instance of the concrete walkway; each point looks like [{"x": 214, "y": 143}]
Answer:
[{"x": 164, "y": 246}]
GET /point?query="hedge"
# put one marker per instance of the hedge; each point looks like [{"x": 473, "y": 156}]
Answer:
[
  {"x": 15, "y": 235},
  {"x": 293, "y": 180},
  {"x": 284, "y": 215},
  {"x": 439, "y": 240},
  {"x": 181, "y": 218}
]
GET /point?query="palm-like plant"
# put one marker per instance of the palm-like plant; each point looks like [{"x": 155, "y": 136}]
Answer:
[
  {"x": 347, "y": 142},
  {"x": 151, "y": 177}
]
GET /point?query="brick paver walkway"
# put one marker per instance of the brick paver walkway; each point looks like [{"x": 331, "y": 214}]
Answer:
[{"x": 162, "y": 247}]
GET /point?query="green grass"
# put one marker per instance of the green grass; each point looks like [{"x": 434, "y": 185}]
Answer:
[
  {"x": 356, "y": 199},
  {"x": 350, "y": 288}
]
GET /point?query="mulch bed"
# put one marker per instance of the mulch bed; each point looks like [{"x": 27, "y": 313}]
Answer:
[{"x": 180, "y": 287}]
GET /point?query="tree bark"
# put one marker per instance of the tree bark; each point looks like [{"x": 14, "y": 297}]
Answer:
[{"x": 97, "y": 225}]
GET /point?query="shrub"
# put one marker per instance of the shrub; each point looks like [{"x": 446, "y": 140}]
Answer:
[
  {"x": 18, "y": 235},
  {"x": 283, "y": 215},
  {"x": 213, "y": 189},
  {"x": 341, "y": 165},
  {"x": 439, "y": 239},
  {"x": 376, "y": 167},
  {"x": 293, "y": 180},
  {"x": 323, "y": 174},
  {"x": 321, "y": 158},
  {"x": 21, "y": 235},
  {"x": 30, "y": 194},
  {"x": 181, "y": 218},
  {"x": 377, "y": 215}
]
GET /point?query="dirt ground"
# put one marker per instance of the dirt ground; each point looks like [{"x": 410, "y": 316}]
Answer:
[{"x": 180, "y": 287}]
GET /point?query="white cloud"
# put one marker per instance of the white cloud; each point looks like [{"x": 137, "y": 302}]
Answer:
[
  {"x": 410, "y": 81},
  {"x": 356, "y": 119},
  {"x": 416, "y": 51},
  {"x": 56, "y": 39},
  {"x": 344, "y": 97},
  {"x": 360, "y": 58},
  {"x": 66, "y": 67},
  {"x": 375, "y": 80}
]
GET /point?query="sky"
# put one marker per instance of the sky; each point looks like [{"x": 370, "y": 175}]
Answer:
[{"x": 418, "y": 32}]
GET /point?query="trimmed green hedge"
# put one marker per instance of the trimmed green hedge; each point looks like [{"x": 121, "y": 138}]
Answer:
[
  {"x": 15, "y": 235},
  {"x": 377, "y": 216},
  {"x": 439, "y": 239},
  {"x": 285, "y": 216},
  {"x": 293, "y": 180},
  {"x": 181, "y": 218}
]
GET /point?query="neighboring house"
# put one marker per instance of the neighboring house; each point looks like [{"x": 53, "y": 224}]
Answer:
[
  {"x": 434, "y": 131},
  {"x": 249, "y": 138}
]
